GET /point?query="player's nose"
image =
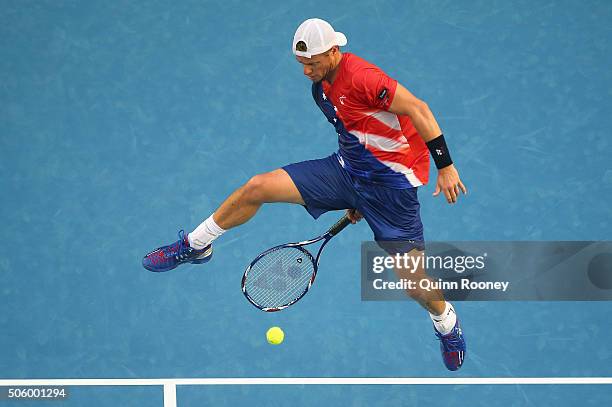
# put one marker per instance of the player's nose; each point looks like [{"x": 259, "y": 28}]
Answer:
[{"x": 307, "y": 71}]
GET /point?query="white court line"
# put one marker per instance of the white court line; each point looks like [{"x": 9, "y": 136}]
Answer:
[
  {"x": 169, "y": 395},
  {"x": 309, "y": 381}
]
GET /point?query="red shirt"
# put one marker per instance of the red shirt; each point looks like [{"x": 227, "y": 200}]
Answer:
[{"x": 361, "y": 95}]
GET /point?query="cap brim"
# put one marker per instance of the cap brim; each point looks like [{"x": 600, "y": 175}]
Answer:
[
  {"x": 302, "y": 54},
  {"x": 341, "y": 39}
]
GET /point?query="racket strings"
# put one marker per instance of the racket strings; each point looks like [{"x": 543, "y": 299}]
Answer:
[{"x": 280, "y": 277}]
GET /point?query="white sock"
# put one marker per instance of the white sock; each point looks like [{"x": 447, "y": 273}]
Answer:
[
  {"x": 204, "y": 234},
  {"x": 445, "y": 322}
]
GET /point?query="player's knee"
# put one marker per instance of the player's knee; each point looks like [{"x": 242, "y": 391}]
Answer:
[{"x": 255, "y": 189}]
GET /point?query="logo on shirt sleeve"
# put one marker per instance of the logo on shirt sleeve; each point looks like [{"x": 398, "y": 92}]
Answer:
[{"x": 383, "y": 93}]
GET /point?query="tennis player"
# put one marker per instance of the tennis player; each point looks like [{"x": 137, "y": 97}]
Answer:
[{"x": 385, "y": 135}]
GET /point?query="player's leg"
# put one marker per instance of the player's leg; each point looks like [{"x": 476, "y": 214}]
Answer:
[
  {"x": 239, "y": 207},
  {"x": 432, "y": 299},
  {"x": 393, "y": 216},
  {"x": 316, "y": 184},
  {"x": 442, "y": 313},
  {"x": 242, "y": 204}
]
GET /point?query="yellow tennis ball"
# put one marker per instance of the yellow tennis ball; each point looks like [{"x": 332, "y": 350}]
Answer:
[{"x": 275, "y": 335}]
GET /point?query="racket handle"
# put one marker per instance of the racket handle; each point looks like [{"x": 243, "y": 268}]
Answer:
[{"x": 341, "y": 224}]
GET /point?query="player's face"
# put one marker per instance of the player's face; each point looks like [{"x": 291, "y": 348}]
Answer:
[{"x": 317, "y": 67}]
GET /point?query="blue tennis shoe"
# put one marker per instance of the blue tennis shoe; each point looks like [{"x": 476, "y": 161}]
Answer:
[
  {"x": 453, "y": 347},
  {"x": 168, "y": 257}
]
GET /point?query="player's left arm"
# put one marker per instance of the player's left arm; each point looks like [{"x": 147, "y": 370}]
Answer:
[{"x": 405, "y": 103}]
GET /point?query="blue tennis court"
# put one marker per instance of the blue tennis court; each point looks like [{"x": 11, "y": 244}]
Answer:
[{"x": 123, "y": 122}]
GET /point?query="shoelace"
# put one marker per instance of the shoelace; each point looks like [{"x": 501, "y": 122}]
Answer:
[
  {"x": 180, "y": 250},
  {"x": 183, "y": 250}
]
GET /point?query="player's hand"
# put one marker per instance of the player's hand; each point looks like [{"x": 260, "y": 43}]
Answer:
[
  {"x": 450, "y": 184},
  {"x": 354, "y": 215}
]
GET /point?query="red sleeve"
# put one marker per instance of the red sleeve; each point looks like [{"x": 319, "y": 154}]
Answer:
[{"x": 374, "y": 88}]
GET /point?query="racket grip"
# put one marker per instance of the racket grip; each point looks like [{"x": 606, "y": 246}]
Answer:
[{"x": 341, "y": 224}]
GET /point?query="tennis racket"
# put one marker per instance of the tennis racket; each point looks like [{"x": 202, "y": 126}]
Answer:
[{"x": 280, "y": 276}]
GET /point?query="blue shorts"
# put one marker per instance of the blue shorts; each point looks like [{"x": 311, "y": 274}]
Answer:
[{"x": 393, "y": 214}]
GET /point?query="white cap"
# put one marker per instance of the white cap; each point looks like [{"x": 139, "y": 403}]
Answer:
[{"x": 318, "y": 35}]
